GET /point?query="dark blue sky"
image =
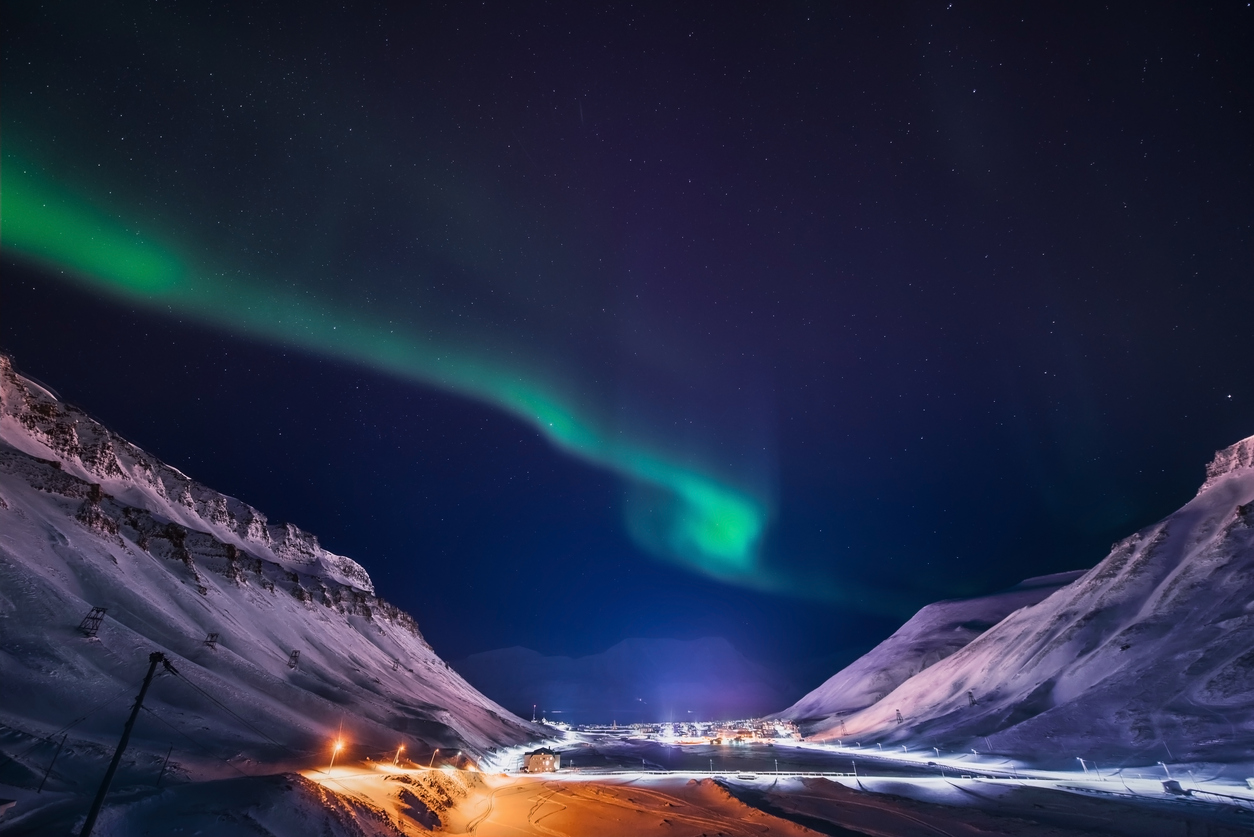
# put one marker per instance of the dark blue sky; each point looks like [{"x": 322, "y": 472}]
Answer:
[{"x": 961, "y": 293}]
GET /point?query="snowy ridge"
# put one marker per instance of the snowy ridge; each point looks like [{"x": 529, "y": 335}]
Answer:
[
  {"x": 1229, "y": 460},
  {"x": 32, "y": 420},
  {"x": 101, "y": 524},
  {"x": 931, "y": 635},
  {"x": 1147, "y": 656}
]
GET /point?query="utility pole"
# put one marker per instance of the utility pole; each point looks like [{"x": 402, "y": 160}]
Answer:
[
  {"x": 165, "y": 764},
  {"x": 51, "y": 763},
  {"x": 153, "y": 658}
]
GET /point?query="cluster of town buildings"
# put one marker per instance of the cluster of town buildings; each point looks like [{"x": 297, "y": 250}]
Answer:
[
  {"x": 545, "y": 760},
  {"x": 708, "y": 732}
]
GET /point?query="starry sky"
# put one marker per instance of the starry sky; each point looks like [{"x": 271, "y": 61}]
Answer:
[{"x": 577, "y": 322}]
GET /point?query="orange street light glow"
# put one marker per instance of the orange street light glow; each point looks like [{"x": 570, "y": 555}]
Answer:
[{"x": 339, "y": 745}]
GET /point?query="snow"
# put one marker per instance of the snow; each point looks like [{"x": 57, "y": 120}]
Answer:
[
  {"x": 34, "y": 422},
  {"x": 934, "y": 633},
  {"x": 641, "y": 804},
  {"x": 86, "y": 520},
  {"x": 1146, "y": 657}
]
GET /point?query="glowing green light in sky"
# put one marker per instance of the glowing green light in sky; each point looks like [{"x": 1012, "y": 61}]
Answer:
[
  {"x": 694, "y": 517},
  {"x": 40, "y": 225}
]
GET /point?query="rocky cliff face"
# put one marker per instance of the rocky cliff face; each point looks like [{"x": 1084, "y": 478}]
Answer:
[
  {"x": 196, "y": 551},
  {"x": 279, "y": 645},
  {"x": 35, "y": 422},
  {"x": 1146, "y": 657},
  {"x": 1230, "y": 460}
]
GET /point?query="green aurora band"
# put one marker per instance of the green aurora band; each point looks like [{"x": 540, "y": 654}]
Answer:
[{"x": 693, "y": 518}]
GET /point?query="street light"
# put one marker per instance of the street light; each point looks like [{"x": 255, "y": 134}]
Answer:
[
  {"x": 433, "y": 752},
  {"x": 1165, "y": 770},
  {"x": 335, "y": 751},
  {"x": 397, "y": 760},
  {"x": 937, "y": 749},
  {"x": 1082, "y": 764}
]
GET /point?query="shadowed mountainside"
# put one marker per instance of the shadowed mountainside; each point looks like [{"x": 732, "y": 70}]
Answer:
[
  {"x": 302, "y": 646},
  {"x": 1144, "y": 657}
]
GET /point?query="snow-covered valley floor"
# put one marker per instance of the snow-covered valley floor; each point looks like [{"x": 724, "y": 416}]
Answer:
[
  {"x": 975, "y": 797},
  {"x": 959, "y": 796}
]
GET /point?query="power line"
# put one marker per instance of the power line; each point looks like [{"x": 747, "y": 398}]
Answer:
[
  {"x": 154, "y": 714},
  {"x": 229, "y": 711},
  {"x": 48, "y": 739}
]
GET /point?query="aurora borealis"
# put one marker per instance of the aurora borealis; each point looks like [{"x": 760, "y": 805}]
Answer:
[
  {"x": 694, "y": 518},
  {"x": 771, "y": 323}
]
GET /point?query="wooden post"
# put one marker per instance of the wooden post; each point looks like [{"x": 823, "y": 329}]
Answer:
[
  {"x": 164, "y": 764},
  {"x": 153, "y": 658},
  {"x": 51, "y": 763}
]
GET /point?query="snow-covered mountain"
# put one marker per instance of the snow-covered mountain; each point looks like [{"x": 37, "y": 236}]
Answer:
[
  {"x": 934, "y": 633},
  {"x": 303, "y": 646},
  {"x": 1146, "y": 657},
  {"x": 637, "y": 680}
]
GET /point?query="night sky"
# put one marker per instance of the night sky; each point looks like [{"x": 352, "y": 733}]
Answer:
[{"x": 574, "y": 323}]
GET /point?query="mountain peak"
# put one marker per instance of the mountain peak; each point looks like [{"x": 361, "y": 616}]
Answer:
[{"x": 1230, "y": 459}]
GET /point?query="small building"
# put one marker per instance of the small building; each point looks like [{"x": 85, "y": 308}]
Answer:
[{"x": 543, "y": 760}]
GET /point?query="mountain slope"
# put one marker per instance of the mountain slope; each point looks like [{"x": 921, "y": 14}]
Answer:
[
  {"x": 637, "y": 680},
  {"x": 1146, "y": 657},
  {"x": 931, "y": 635},
  {"x": 89, "y": 520}
]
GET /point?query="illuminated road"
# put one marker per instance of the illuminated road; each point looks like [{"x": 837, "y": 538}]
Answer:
[{"x": 637, "y": 788}]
